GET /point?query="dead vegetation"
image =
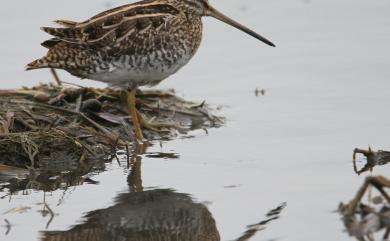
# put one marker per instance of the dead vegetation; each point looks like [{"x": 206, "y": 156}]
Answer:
[
  {"x": 49, "y": 129},
  {"x": 374, "y": 158},
  {"x": 369, "y": 220},
  {"x": 365, "y": 221}
]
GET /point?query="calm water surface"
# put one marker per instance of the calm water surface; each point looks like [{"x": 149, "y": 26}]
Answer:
[{"x": 327, "y": 92}]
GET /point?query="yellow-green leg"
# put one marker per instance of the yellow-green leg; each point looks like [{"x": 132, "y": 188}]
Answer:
[{"x": 134, "y": 115}]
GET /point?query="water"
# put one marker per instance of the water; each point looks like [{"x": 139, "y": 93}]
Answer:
[{"x": 326, "y": 93}]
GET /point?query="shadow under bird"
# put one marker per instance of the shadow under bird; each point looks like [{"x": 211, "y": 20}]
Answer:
[{"x": 138, "y": 44}]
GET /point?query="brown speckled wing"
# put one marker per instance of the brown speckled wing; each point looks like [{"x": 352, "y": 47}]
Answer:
[{"x": 115, "y": 25}]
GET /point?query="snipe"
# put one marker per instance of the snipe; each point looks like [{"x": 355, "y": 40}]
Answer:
[{"x": 133, "y": 45}]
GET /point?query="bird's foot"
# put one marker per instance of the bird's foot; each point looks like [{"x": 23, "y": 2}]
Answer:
[{"x": 157, "y": 127}]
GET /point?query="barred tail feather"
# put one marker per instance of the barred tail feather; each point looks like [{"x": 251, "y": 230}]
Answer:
[
  {"x": 37, "y": 64},
  {"x": 67, "y": 34},
  {"x": 42, "y": 63}
]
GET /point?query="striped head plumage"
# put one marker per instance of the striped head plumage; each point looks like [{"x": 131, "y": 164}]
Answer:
[{"x": 132, "y": 45}]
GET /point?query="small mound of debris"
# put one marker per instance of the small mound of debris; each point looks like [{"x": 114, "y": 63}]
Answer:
[
  {"x": 56, "y": 129},
  {"x": 364, "y": 220}
]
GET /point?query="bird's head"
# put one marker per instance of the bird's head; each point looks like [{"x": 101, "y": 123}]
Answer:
[{"x": 203, "y": 8}]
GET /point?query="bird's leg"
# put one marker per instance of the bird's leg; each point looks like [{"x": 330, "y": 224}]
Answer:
[{"x": 134, "y": 114}]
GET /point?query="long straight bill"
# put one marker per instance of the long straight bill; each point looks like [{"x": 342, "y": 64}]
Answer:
[{"x": 212, "y": 12}]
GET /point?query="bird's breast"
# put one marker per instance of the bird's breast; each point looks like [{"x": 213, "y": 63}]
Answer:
[{"x": 140, "y": 70}]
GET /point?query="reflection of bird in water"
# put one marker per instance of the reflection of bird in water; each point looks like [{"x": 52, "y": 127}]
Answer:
[
  {"x": 139, "y": 215},
  {"x": 134, "y": 45},
  {"x": 154, "y": 215},
  {"x": 145, "y": 216}
]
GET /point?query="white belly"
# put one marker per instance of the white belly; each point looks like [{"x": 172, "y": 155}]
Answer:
[{"x": 133, "y": 71}]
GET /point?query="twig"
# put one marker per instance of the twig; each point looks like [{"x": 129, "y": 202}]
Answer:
[
  {"x": 128, "y": 156},
  {"x": 96, "y": 125},
  {"x": 102, "y": 129},
  {"x": 23, "y": 122},
  {"x": 79, "y": 102},
  {"x": 8, "y": 226},
  {"x": 76, "y": 85},
  {"x": 66, "y": 133},
  {"x": 55, "y": 75},
  {"x": 51, "y": 215},
  {"x": 114, "y": 155}
]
